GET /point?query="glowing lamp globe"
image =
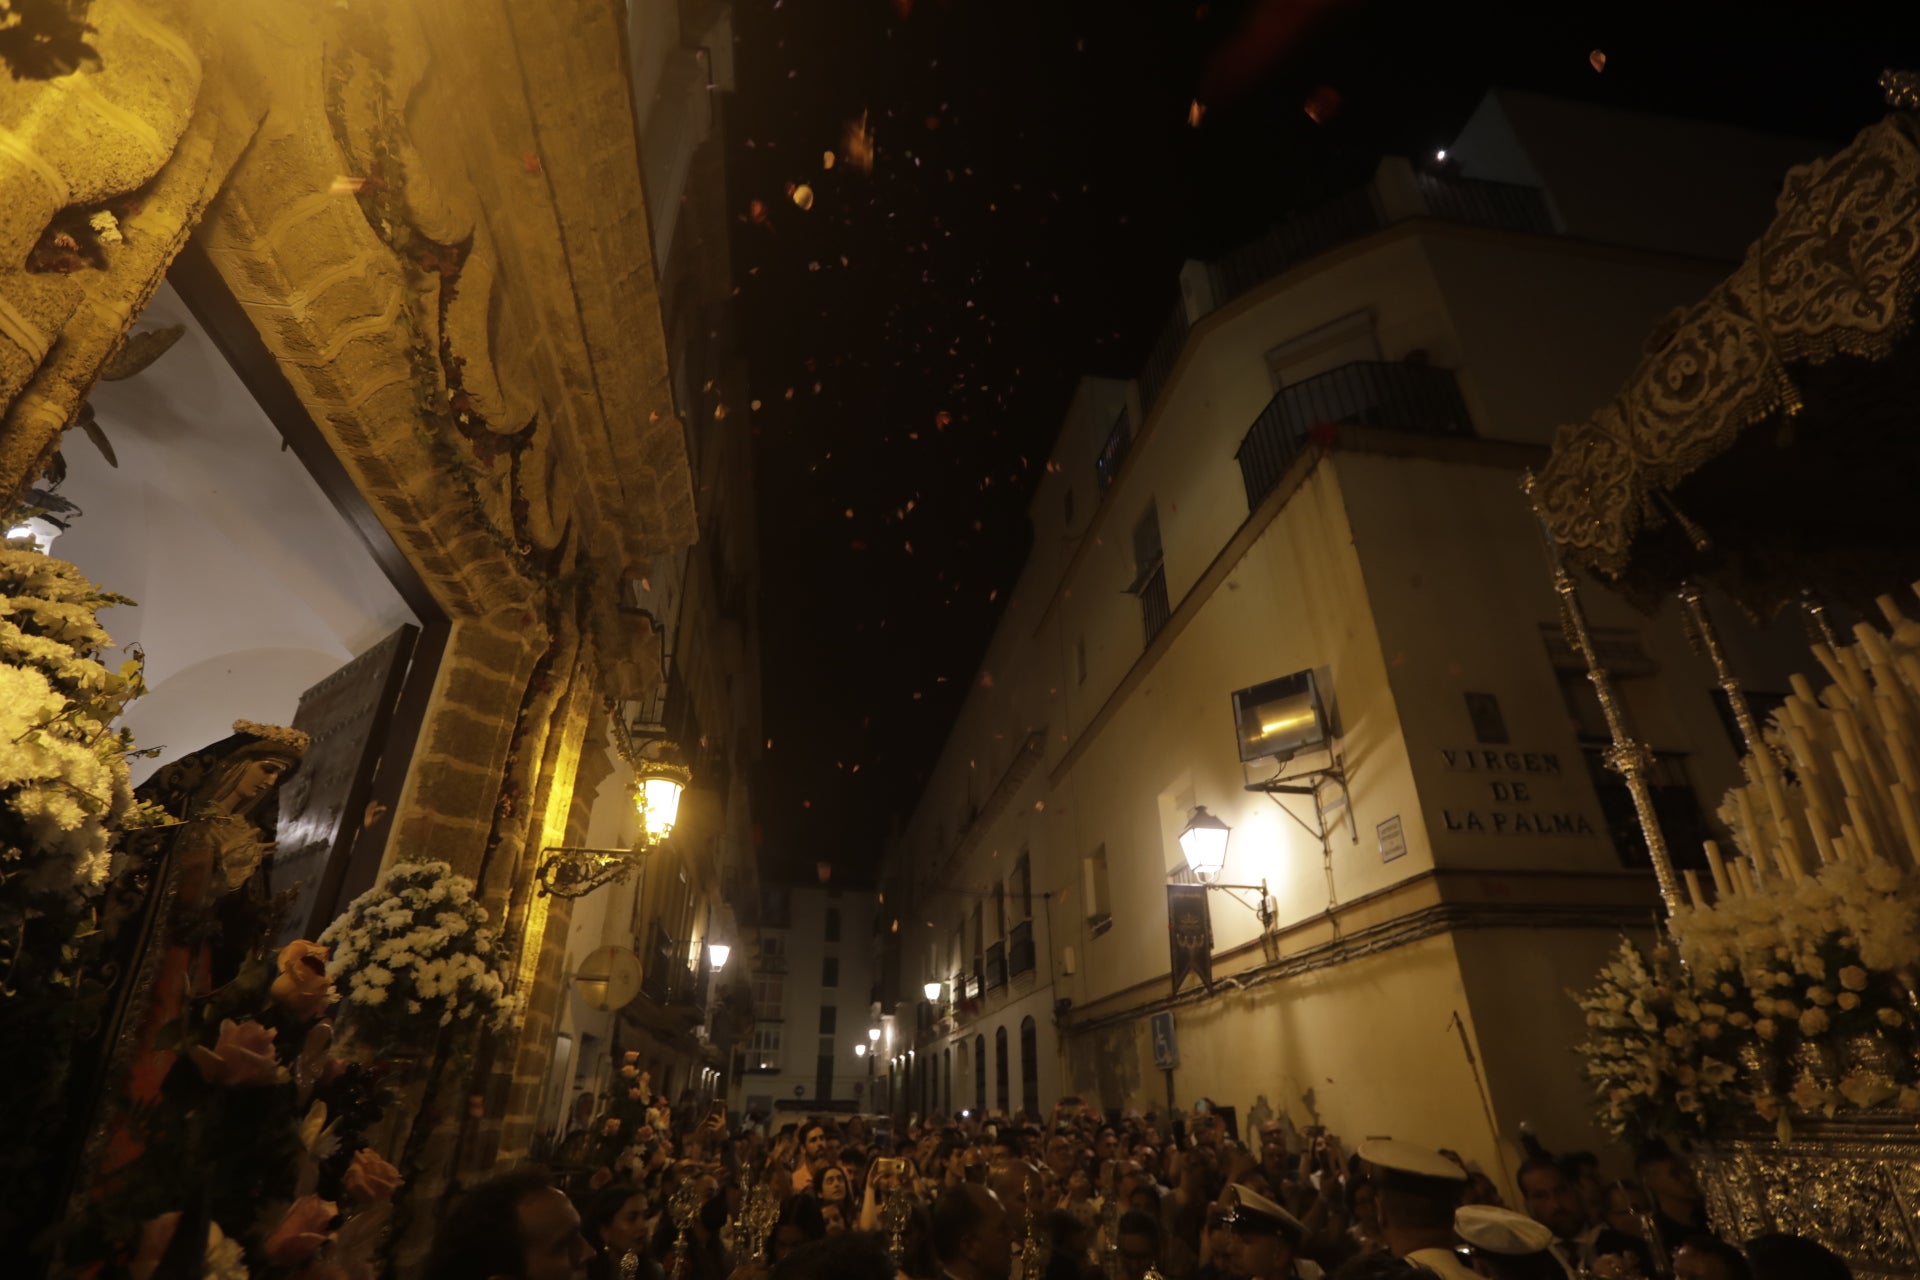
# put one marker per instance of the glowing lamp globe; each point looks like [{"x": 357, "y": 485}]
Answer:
[
  {"x": 859, "y": 1051},
  {"x": 717, "y": 953},
  {"x": 873, "y": 1033},
  {"x": 659, "y": 797},
  {"x": 1204, "y": 842},
  {"x": 933, "y": 992}
]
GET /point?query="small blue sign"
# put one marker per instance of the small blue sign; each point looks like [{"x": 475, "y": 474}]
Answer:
[{"x": 1166, "y": 1050}]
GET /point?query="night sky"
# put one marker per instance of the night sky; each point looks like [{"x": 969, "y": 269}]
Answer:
[{"x": 1036, "y": 179}]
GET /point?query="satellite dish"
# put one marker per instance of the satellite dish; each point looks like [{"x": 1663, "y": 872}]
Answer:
[{"x": 608, "y": 978}]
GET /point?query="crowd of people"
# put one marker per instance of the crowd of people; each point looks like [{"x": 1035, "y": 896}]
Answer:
[{"x": 1087, "y": 1195}]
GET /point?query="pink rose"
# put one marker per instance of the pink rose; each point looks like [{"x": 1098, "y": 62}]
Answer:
[
  {"x": 242, "y": 1056},
  {"x": 370, "y": 1179},
  {"x": 302, "y": 1231},
  {"x": 302, "y": 989}
]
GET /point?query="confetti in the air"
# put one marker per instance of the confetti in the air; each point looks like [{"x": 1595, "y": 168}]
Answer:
[
  {"x": 826, "y": 159},
  {"x": 856, "y": 144},
  {"x": 345, "y": 186},
  {"x": 1597, "y": 60},
  {"x": 803, "y": 196},
  {"x": 1196, "y": 112}
]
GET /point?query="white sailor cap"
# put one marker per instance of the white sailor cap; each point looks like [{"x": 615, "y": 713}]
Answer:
[
  {"x": 1250, "y": 1213},
  {"x": 1500, "y": 1231},
  {"x": 1410, "y": 1159}
]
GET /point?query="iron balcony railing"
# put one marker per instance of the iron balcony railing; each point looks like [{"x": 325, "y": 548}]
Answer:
[
  {"x": 996, "y": 973},
  {"x": 1418, "y": 399},
  {"x": 1160, "y": 360},
  {"x": 1020, "y": 948},
  {"x": 1286, "y": 244}
]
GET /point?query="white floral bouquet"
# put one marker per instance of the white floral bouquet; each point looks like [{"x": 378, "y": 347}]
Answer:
[
  {"x": 1660, "y": 1057},
  {"x": 415, "y": 954},
  {"x": 64, "y": 788}
]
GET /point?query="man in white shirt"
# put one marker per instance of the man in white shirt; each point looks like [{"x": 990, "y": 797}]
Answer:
[{"x": 1417, "y": 1189}]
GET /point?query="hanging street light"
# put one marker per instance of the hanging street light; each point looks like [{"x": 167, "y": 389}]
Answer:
[
  {"x": 717, "y": 953},
  {"x": 859, "y": 1051},
  {"x": 1204, "y": 842},
  {"x": 932, "y": 990}
]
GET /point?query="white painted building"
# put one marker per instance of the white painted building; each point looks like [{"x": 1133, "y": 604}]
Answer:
[
  {"x": 813, "y": 998},
  {"x": 1318, "y": 472}
]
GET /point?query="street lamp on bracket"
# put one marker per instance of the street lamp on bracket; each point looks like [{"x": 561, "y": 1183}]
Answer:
[
  {"x": 1203, "y": 842},
  {"x": 660, "y": 778}
]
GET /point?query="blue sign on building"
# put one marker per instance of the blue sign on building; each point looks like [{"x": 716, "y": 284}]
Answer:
[{"x": 1166, "y": 1050}]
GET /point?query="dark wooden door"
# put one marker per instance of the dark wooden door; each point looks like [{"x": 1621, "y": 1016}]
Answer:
[{"x": 324, "y": 805}]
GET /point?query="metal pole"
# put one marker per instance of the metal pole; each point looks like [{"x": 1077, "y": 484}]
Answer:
[
  {"x": 1696, "y": 605},
  {"x": 1627, "y": 756}
]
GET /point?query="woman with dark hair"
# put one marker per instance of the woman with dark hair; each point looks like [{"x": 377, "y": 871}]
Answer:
[
  {"x": 834, "y": 1187},
  {"x": 614, "y": 1221}
]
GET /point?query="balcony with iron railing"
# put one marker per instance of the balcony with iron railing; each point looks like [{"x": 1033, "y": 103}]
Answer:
[
  {"x": 996, "y": 968},
  {"x": 1020, "y": 955},
  {"x": 1396, "y": 194},
  {"x": 1412, "y": 398}
]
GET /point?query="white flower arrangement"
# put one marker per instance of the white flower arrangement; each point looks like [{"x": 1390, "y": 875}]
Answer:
[
  {"x": 64, "y": 787},
  {"x": 1659, "y": 1057},
  {"x": 416, "y": 950}
]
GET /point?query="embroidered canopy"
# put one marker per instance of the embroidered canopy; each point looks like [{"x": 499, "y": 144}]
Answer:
[{"x": 1770, "y": 438}]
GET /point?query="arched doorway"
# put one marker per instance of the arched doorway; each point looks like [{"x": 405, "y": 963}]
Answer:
[
  {"x": 979, "y": 1073},
  {"x": 1030, "y": 1068},
  {"x": 1000, "y": 1069}
]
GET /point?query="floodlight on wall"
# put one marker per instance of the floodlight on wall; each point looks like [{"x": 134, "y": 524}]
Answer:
[
  {"x": 1279, "y": 719},
  {"x": 1204, "y": 842},
  {"x": 717, "y": 953}
]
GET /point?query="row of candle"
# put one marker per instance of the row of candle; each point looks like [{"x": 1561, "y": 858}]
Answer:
[{"x": 1855, "y": 788}]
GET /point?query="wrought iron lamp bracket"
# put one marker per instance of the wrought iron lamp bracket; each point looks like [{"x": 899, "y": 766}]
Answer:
[
  {"x": 1233, "y": 891},
  {"x": 574, "y": 871}
]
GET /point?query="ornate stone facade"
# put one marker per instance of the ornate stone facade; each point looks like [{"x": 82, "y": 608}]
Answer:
[{"x": 432, "y": 214}]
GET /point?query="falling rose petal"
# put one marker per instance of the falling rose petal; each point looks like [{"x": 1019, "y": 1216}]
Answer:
[
  {"x": 856, "y": 144},
  {"x": 755, "y": 405},
  {"x": 942, "y": 419},
  {"x": 720, "y": 413},
  {"x": 1323, "y": 104},
  {"x": 346, "y": 186},
  {"x": 1196, "y": 111},
  {"x": 1597, "y": 60},
  {"x": 803, "y": 196},
  {"x": 530, "y": 162},
  {"x": 826, "y": 159}
]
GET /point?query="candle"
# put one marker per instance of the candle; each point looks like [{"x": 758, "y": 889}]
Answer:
[
  {"x": 1692, "y": 878},
  {"x": 1909, "y": 823},
  {"x": 1722, "y": 886}
]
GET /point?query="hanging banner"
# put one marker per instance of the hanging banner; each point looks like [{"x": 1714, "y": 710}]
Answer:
[{"x": 1190, "y": 934}]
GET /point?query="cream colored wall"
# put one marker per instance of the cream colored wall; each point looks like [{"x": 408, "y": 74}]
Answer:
[
  {"x": 1371, "y": 1040},
  {"x": 1458, "y": 583},
  {"x": 1297, "y": 600},
  {"x": 1518, "y": 980}
]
